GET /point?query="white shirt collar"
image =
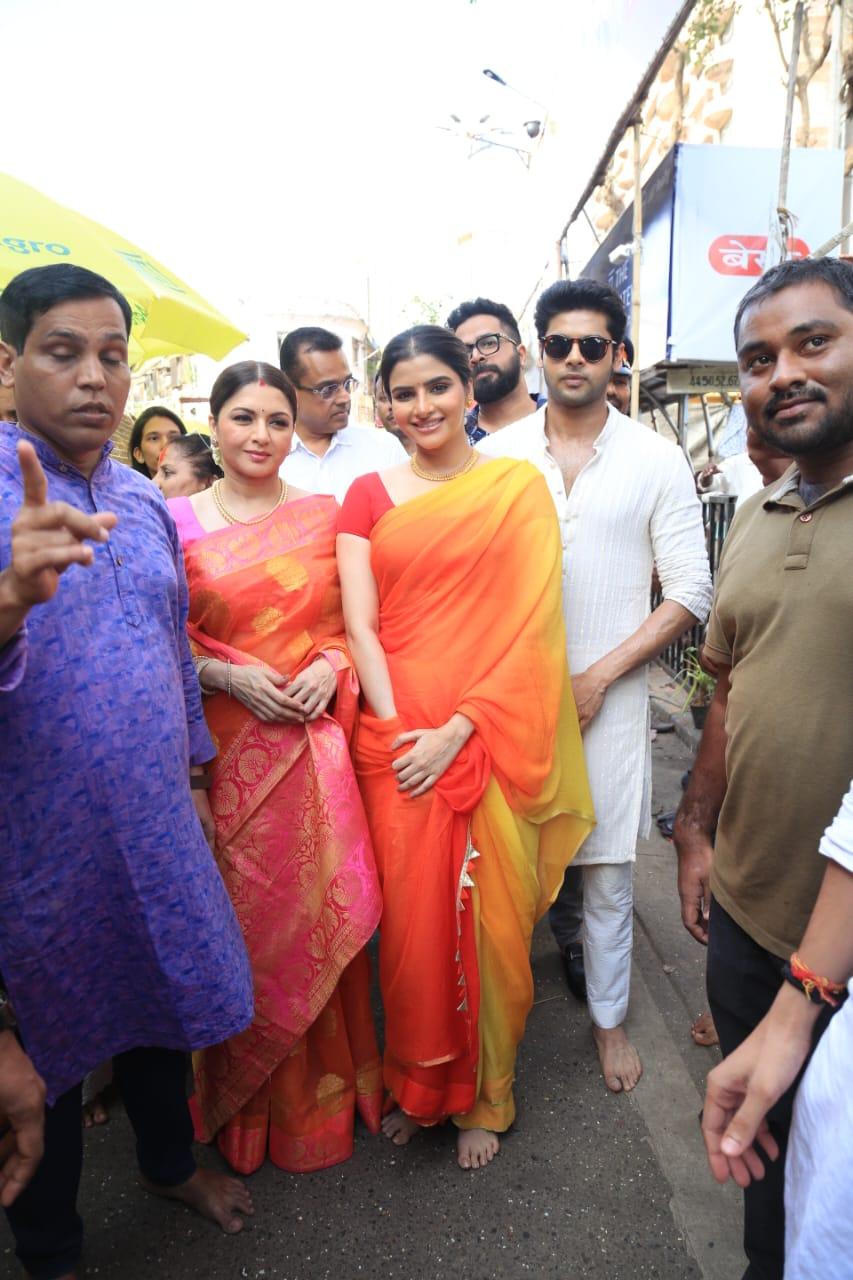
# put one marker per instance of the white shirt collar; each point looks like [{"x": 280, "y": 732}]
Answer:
[
  {"x": 614, "y": 417},
  {"x": 339, "y": 440}
]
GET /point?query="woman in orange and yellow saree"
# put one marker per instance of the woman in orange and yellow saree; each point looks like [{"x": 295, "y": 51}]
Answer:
[
  {"x": 468, "y": 750},
  {"x": 291, "y": 837}
]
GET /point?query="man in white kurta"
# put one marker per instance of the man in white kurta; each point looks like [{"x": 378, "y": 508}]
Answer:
[{"x": 626, "y": 501}]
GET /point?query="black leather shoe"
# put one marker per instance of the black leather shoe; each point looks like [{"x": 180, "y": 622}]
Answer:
[{"x": 575, "y": 975}]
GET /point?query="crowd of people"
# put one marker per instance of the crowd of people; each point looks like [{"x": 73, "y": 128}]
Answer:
[{"x": 263, "y": 698}]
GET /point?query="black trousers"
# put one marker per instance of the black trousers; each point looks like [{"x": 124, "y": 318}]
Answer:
[
  {"x": 743, "y": 981},
  {"x": 47, "y": 1228}
]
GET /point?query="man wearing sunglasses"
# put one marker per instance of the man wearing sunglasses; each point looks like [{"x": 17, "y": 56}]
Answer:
[
  {"x": 626, "y": 500},
  {"x": 497, "y": 355},
  {"x": 327, "y": 454}
]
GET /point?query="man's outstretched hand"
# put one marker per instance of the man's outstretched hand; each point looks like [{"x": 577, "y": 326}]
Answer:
[{"x": 47, "y": 537}]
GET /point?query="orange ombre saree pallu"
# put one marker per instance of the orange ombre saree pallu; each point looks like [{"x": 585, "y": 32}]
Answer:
[
  {"x": 469, "y": 581},
  {"x": 294, "y": 850}
]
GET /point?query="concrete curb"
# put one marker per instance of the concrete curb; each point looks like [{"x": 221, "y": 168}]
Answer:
[{"x": 709, "y": 1215}]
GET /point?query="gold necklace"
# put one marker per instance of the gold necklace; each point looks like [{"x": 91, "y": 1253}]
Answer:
[
  {"x": 470, "y": 461},
  {"x": 226, "y": 514}
]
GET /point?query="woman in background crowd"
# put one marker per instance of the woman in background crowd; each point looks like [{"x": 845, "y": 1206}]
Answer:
[
  {"x": 152, "y": 431},
  {"x": 186, "y": 467},
  {"x": 291, "y": 837},
  {"x": 468, "y": 750}
]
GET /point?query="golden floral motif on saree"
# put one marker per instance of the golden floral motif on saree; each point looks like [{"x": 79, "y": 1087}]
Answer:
[
  {"x": 267, "y": 620},
  {"x": 252, "y": 765},
  {"x": 226, "y": 802},
  {"x": 330, "y": 1086},
  {"x": 288, "y": 572}
]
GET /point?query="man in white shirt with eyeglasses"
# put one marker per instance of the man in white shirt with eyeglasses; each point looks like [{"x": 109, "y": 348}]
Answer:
[{"x": 327, "y": 453}]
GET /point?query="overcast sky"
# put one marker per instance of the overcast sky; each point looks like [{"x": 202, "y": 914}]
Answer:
[{"x": 280, "y": 154}]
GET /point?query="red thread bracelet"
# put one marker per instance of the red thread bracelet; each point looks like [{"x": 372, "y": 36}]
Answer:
[{"x": 828, "y": 992}]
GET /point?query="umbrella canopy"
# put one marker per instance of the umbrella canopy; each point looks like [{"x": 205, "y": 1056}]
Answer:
[{"x": 169, "y": 318}]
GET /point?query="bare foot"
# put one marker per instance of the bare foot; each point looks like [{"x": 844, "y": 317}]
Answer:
[
  {"x": 476, "y": 1148},
  {"x": 703, "y": 1030},
  {"x": 213, "y": 1195},
  {"x": 399, "y": 1127},
  {"x": 95, "y": 1112},
  {"x": 620, "y": 1062}
]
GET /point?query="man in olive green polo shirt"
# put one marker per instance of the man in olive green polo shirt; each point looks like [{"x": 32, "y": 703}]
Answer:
[{"x": 778, "y": 744}]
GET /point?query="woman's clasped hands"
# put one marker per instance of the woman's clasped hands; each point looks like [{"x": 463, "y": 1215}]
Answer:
[
  {"x": 272, "y": 696},
  {"x": 431, "y": 756}
]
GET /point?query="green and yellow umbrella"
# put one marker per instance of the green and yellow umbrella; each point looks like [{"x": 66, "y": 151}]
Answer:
[{"x": 169, "y": 318}]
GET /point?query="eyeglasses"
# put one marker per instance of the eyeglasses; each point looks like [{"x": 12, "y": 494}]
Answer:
[
  {"x": 329, "y": 390},
  {"x": 592, "y": 348},
  {"x": 488, "y": 344}
]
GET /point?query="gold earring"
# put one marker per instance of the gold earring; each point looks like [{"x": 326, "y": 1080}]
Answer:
[{"x": 217, "y": 452}]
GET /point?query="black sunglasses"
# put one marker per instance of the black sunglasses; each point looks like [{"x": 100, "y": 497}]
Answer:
[{"x": 593, "y": 349}]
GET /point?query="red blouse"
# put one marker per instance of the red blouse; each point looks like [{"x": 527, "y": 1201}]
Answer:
[{"x": 366, "y": 501}]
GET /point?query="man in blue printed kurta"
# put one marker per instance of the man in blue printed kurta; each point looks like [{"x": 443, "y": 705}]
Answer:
[{"x": 117, "y": 938}]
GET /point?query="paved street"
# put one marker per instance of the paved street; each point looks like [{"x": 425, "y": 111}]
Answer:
[{"x": 587, "y": 1186}]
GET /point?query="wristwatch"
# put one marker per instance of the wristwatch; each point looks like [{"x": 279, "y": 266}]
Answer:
[{"x": 8, "y": 1021}]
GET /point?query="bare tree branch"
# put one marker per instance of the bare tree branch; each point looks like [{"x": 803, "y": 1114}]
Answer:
[
  {"x": 776, "y": 31},
  {"x": 814, "y": 63},
  {"x": 826, "y": 35},
  {"x": 808, "y": 63}
]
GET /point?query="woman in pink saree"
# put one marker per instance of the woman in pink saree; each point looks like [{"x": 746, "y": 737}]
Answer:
[{"x": 291, "y": 838}]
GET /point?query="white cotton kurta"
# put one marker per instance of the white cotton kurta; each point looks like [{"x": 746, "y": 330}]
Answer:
[
  {"x": 819, "y": 1170},
  {"x": 633, "y": 505}
]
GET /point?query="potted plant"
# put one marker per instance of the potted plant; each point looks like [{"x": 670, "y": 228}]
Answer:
[{"x": 696, "y": 685}]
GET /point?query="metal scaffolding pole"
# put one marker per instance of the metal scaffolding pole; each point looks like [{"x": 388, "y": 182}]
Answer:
[
  {"x": 709, "y": 433},
  {"x": 636, "y": 268},
  {"x": 682, "y": 424}
]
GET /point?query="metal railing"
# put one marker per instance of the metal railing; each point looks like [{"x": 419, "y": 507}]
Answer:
[{"x": 717, "y": 513}]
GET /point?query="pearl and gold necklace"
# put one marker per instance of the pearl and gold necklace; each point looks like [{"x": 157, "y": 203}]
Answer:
[{"x": 232, "y": 519}]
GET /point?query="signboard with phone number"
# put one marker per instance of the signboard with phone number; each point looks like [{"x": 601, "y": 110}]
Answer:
[{"x": 695, "y": 379}]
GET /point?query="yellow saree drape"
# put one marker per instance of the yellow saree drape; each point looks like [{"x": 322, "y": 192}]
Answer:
[{"x": 469, "y": 581}]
